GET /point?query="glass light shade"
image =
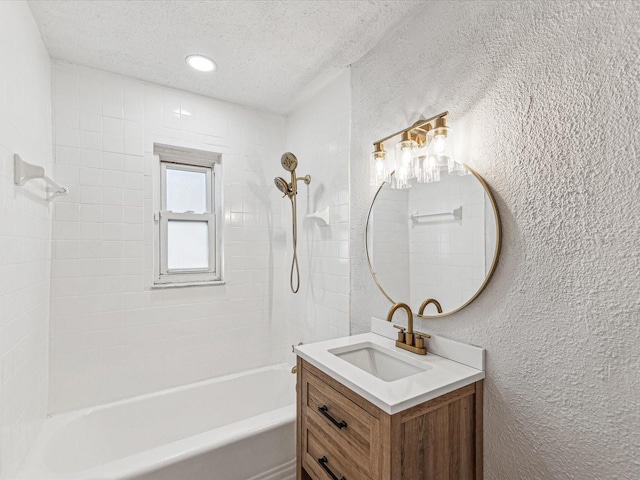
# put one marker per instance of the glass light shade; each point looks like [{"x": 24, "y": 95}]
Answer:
[
  {"x": 427, "y": 171},
  {"x": 456, "y": 168},
  {"x": 380, "y": 167},
  {"x": 440, "y": 145},
  {"x": 400, "y": 180},
  {"x": 405, "y": 150}
]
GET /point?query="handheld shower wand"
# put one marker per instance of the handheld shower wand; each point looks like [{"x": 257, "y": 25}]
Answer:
[{"x": 289, "y": 163}]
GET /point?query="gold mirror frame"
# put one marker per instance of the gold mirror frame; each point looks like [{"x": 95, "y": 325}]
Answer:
[{"x": 496, "y": 253}]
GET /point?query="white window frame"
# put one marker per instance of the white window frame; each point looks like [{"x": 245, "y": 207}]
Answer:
[{"x": 186, "y": 159}]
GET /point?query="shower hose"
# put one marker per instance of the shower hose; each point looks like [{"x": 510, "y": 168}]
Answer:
[{"x": 294, "y": 260}]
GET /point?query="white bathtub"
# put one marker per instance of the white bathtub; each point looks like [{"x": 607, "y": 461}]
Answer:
[{"x": 237, "y": 427}]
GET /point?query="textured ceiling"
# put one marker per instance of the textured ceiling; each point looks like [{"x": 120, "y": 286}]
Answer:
[{"x": 270, "y": 54}]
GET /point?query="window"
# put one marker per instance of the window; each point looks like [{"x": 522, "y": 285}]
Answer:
[{"x": 189, "y": 217}]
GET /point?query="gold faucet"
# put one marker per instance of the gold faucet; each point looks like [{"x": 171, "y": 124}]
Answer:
[
  {"x": 406, "y": 339},
  {"x": 427, "y": 302}
]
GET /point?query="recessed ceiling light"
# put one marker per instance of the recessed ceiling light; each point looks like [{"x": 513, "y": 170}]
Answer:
[{"x": 200, "y": 63}]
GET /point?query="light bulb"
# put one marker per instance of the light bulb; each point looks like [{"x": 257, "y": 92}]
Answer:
[
  {"x": 405, "y": 151},
  {"x": 405, "y": 157},
  {"x": 379, "y": 166},
  {"x": 439, "y": 144}
]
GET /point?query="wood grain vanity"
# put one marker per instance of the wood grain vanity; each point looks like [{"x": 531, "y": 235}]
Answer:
[{"x": 343, "y": 436}]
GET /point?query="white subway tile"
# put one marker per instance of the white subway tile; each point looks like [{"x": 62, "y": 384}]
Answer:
[
  {"x": 113, "y": 178},
  {"x": 90, "y": 231},
  {"x": 113, "y": 214},
  {"x": 91, "y": 176},
  {"x": 68, "y": 137},
  {"x": 134, "y": 164},
  {"x": 112, "y": 249},
  {"x": 134, "y": 146},
  {"x": 91, "y": 195},
  {"x": 153, "y": 106},
  {"x": 68, "y": 175},
  {"x": 116, "y": 230},
  {"x": 113, "y": 161},
  {"x": 113, "y": 196},
  {"x": 90, "y": 91},
  {"x": 113, "y": 143},
  {"x": 133, "y": 129},
  {"x": 66, "y": 212},
  {"x": 133, "y": 215},
  {"x": 67, "y": 155},
  {"x": 91, "y": 158},
  {"x": 133, "y": 101},
  {"x": 134, "y": 198},
  {"x": 112, "y": 97},
  {"x": 113, "y": 126},
  {"x": 91, "y": 122},
  {"x": 89, "y": 213}
]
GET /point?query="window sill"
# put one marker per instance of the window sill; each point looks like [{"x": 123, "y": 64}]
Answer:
[{"x": 160, "y": 286}]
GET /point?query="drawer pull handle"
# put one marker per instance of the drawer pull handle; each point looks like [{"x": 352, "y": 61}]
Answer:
[
  {"x": 323, "y": 463},
  {"x": 325, "y": 411}
]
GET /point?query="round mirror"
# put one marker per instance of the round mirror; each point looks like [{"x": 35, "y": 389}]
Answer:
[{"x": 436, "y": 241}]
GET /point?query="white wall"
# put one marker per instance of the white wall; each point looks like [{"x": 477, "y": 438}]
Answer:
[
  {"x": 112, "y": 336},
  {"x": 318, "y": 134},
  {"x": 25, "y": 234},
  {"x": 544, "y": 98}
]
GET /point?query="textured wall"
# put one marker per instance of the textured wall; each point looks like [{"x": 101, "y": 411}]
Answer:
[
  {"x": 112, "y": 336},
  {"x": 318, "y": 134},
  {"x": 544, "y": 98},
  {"x": 25, "y": 234}
]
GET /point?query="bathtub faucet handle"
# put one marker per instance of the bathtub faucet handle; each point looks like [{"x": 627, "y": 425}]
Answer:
[{"x": 293, "y": 346}]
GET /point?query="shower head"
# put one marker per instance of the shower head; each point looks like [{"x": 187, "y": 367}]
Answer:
[
  {"x": 289, "y": 161},
  {"x": 282, "y": 185}
]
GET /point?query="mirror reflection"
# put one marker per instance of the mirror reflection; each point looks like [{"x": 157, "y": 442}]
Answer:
[{"x": 434, "y": 240}]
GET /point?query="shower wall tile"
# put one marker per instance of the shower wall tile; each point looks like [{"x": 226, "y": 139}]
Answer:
[
  {"x": 318, "y": 134},
  {"x": 129, "y": 338},
  {"x": 25, "y": 232},
  {"x": 442, "y": 247}
]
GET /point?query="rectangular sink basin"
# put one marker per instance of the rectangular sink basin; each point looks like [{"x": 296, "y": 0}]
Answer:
[{"x": 378, "y": 361}]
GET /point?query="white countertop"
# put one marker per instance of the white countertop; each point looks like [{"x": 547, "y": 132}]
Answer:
[{"x": 443, "y": 375}]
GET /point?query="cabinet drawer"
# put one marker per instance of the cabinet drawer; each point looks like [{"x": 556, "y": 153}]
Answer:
[
  {"x": 341, "y": 464},
  {"x": 332, "y": 421}
]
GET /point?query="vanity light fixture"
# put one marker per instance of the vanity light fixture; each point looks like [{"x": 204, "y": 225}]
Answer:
[
  {"x": 381, "y": 166},
  {"x": 423, "y": 150},
  {"x": 201, "y": 63}
]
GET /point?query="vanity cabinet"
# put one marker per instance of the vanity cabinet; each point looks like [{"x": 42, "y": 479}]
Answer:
[{"x": 342, "y": 436}]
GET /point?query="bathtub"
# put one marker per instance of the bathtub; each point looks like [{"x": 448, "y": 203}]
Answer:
[{"x": 237, "y": 427}]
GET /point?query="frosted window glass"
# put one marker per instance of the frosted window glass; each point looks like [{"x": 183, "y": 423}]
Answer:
[
  {"x": 186, "y": 191},
  {"x": 187, "y": 245}
]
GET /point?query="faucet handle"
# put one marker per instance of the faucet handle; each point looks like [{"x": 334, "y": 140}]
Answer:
[
  {"x": 420, "y": 336},
  {"x": 400, "y": 333}
]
